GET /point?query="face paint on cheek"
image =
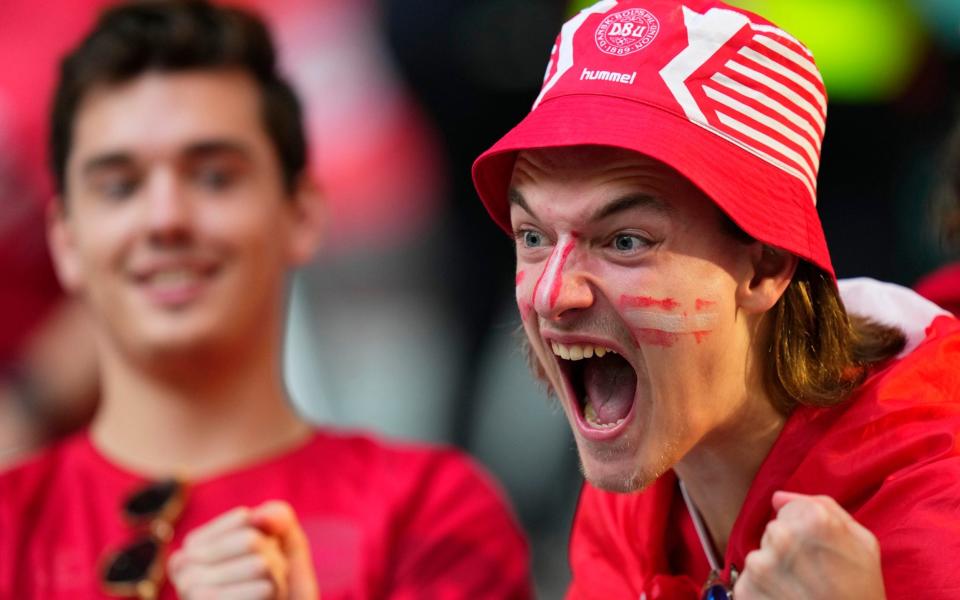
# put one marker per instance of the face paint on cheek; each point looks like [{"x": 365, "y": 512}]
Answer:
[
  {"x": 647, "y": 302},
  {"x": 663, "y": 328},
  {"x": 700, "y": 335},
  {"x": 524, "y": 303},
  {"x": 701, "y": 304},
  {"x": 655, "y": 337}
]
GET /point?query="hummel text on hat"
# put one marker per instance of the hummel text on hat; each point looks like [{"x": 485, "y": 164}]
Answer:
[{"x": 627, "y": 78}]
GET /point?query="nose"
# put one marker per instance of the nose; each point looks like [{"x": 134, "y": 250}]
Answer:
[
  {"x": 562, "y": 286},
  {"x": 167, "y": 207}
]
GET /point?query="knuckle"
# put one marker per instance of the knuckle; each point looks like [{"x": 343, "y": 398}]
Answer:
[
  {"x": 781, "y": 536},
  {"x": 872, "y": 544},
  {"x": 184, "y": 580},
  {"x": 253, "y": 541},
  {"x": 259, "y": 566},
  {"x": 266, "y": 589},
  {"x": 190, "y": 539},
  {"x": 206, "y": 593},
  {"x": 827, "y": 502},
  {"x": 280, "y": 506},
  {"x": 758, "y": 566},
  {"x": 813, "y": 516}
]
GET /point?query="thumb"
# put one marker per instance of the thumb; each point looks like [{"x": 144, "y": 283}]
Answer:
[
  {"x": 278, "y": 519},
  {"x": 782, "y": 498}
]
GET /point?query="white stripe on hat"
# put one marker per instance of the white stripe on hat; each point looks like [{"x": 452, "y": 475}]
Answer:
[
  {"x": 783, "y": 90},
  {"x": 565, "y": 51},
  {"x": 763, "y": 119},
  {"x": 707, "y": 34},
  {"x": 811, "y": 189},
  {"x": 795, "y": 77},
  {"x": 768, "y": 102},
  {"x": 758, "y": 136},
  {"x": 781, "y": 34},
  {"x": 795, "y": 57},
  {"x": 791, "y": 134}
]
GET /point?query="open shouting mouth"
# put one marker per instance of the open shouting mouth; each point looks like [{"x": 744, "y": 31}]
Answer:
[{"x": 600, "y": 383}]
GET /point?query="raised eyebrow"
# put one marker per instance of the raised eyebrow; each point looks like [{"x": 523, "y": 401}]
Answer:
[
  {"x": 631, "y": 202},
  {"x": 515, "y": 197}
]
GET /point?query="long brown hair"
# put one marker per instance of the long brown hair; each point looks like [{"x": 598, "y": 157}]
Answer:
[{"x": 818, "y": 353}]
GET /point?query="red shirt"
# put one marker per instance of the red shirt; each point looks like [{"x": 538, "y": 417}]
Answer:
[
  {"x": 397, "y": 522},
  {"x": 890, "y": 456}
]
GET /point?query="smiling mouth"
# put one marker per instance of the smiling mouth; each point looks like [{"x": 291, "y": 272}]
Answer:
[
  {"x": 601, "y": 382},
  {"x": 175, "y": 285}
]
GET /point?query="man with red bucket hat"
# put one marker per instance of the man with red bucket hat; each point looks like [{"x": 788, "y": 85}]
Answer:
[{"x": 741, "y": 432}]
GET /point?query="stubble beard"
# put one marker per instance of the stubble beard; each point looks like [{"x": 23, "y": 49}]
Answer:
[{"x": 641, "y": 476}]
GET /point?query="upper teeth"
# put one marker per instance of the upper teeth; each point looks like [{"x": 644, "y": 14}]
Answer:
[
  {"x": 579, "y": 351},
  {"x": 173, "y": 277}
]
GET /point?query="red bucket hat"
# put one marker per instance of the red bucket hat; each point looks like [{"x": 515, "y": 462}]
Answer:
[{"x": 724, "y": 97}]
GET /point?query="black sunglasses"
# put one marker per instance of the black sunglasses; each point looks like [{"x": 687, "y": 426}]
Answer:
[{"x": 136, "y": 570}]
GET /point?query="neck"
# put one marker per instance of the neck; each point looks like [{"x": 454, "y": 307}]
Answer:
[
  {"x": 197, "y": 419},
  {"x": 719, "y": 472}
]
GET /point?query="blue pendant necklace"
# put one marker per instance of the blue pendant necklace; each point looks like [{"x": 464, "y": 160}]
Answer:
[{"x": 714, "y": 588}]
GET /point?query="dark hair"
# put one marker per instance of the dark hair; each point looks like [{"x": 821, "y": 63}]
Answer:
[{"x": 177, "y": 35}]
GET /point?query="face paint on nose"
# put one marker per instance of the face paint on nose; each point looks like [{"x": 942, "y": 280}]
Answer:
[
  {"x": 547, "y": 290},
  {"x": 664, "y": 327}
]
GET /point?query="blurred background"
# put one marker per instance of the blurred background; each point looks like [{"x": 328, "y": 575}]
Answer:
[{"x": 405, "y": 324}]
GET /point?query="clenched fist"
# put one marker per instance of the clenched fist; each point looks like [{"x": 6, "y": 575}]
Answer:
[
  {"x": 812, "y": 550},
  {"x": 256, "y": 553}
]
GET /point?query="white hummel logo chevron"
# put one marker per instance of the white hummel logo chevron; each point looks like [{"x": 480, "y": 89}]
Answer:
[
  {"x": 774, "y": 108},
  {"x": 565, "y": 50}
]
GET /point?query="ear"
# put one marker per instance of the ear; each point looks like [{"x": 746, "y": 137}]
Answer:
[
  {"x": 772, "y": 271},
  {"x": 61, "y": 240},
  {"x": 308, "y": 221}
]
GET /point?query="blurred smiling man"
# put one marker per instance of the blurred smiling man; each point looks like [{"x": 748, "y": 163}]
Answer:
[
  {"x": 741, "y": 433},
  {"x": 179, "y": 155}
]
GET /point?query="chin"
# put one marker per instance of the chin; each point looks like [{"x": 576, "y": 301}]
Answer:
[
  {"x": 621, "y": 475},
  {"x": 616, "y": 469}
]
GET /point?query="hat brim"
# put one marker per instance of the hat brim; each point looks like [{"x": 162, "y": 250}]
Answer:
[{"x": 754, "y": 193}]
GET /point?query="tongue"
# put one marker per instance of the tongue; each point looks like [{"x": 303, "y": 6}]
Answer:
[{"x": 610, "y": 383}]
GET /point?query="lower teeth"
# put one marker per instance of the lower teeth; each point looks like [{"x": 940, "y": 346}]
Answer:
[{"x": 591, "y": 417}]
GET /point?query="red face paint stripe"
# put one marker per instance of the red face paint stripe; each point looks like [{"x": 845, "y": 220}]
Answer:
[
  {"x": 558, "y": 280},
  {"x": 520, "y": 276},
  {"x": 655, "y": 337},
  {"x": 647, "y": 302},
  {"x": 702, "y": 304}
]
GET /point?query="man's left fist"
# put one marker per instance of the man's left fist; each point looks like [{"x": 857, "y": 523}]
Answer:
[{"x": 812, "y": 550}]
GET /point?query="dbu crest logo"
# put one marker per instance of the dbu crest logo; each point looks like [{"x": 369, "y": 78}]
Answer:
[{"x": 626, "y": 32}]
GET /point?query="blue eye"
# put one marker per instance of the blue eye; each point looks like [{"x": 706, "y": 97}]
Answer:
[
  {"x": 625, "y": 242},
  {"x": 531, "y": 239}
]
